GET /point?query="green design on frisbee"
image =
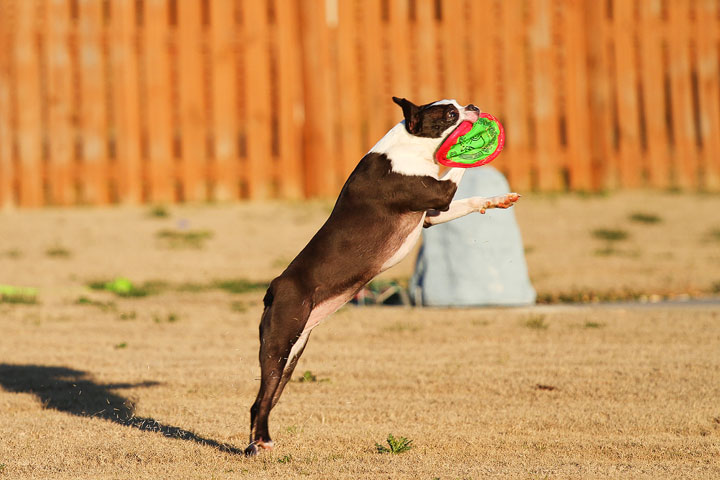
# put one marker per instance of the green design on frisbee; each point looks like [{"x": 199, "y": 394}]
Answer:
[{"x": 472, "y": 144}]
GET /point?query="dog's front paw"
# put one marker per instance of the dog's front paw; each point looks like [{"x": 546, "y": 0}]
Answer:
[{"x": 501, "y": 201}]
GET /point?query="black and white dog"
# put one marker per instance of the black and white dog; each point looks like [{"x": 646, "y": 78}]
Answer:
[{"x": 394, "y": 191}]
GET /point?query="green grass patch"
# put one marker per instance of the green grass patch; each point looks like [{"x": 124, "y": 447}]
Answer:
[
  {"x": 169, "y": 318},
  {"x": 121, "y": 345},
  {"x": 18, "y": 295},
  {"x": 104, "y": 306},
  {"x": 239, "y": 307},
  {"x": 310, "y": 377},
  {"x": 647, "y": 218},
  {"x": 239, "y": 285},
  {"x": 593, "y": 325},
  {"x": 159, "y": 211},
  {"x": 184, "y": 238},
  {"x": 58, "y": 251},
  {"x": 610, "y": 235},
  {"x": 714, "y": 234},
  {"x": 715, "y": 287},
  {"x": 395, "y": 445},
  {"x": 123, "y": 287},
  {"x": 13, "y": 253},
  {"x": 125, "y": 316},
  {"x": 536, "y": 322},
  {"x": 285, "y": 459}
]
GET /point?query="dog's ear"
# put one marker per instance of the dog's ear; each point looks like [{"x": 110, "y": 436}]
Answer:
[{"x": 410, "y": 112}]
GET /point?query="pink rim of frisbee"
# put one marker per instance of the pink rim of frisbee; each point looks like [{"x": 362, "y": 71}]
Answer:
[{"x": 462, "y": 129}]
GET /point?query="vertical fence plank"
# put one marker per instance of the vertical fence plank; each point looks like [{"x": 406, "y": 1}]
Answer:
[
  {"x": 455, "y": 61},
  {"x": 6, "y": 161},
  {"x": 685, "y": 158},
  {"x": 292, "y": 109},
  {"x": 93, "y": 106},
  {"x": 426, "y": 38},
  {"x": 126, "y": 100},
  {"x": 257, "y": 98},
  {"x": 60, "y": 105},
  {"x": 577, "y": 115},
  {"x": 373, "y": 70},
  {"x": 319, "y": 173},
  {"x": 706, "y": 35},
  {"x": 627, "y": 100},
  {"x": 27, "y": 85},
  {"x": 401, "y": 64},
  {"x": 160, "y": 171},
  {"x": 351, "y": 146},
  {"x": 224, "y": 99},
  {"x": 653, "y": 88},
  {"x": 193, "y": 163},
  {"x": 544, "y": 97},
  {"x": 599, "y": 92},
  {"x": 515, "y": 113}
]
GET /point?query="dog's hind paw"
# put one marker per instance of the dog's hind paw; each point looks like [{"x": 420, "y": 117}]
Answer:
[{"x": 255, "y": 447}]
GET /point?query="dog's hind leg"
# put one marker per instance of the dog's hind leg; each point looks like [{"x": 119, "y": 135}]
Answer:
[{"x": 281, "y": 329}]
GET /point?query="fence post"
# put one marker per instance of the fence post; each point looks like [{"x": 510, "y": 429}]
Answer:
[
  {"x": 126, "y": 101},
  {"x": 319, "y": 118},
  {"x": 6, "y": 160},
  {"x": 28, "y": 104}
]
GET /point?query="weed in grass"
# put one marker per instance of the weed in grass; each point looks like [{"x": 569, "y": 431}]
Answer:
[
  {"x": 169, "y": 318},
  {"x": 714, "y": 234},
  {"x": 593, "y": 325},
  {"x": 292, "y": 429},
  {"x": 58, "y": 251},
  {"x": 2, "y": 467},
  {"x": 648, "y": 218},
  {"x": 529, "y": 249},
  {"x": 18, "y": 295},
  {"x": 536, "y": 322},
  {"x": 121, "y": 345},
  {"x": 285, "y": 459},
  {"x": 123, "y": 287},
  {"x": 190, "y": 287},
  {"x": 309, "y": 377},
  {"x": 715, "y": 287},
  {"x": 610, "y": 235},
  {"x": 13, "y": 253},
  {"x": 184, "y": 238},
  {"x": 396, "y": 445},
  {"x": 240, "y": 307},
  {"x": 159, "y": 211},
  {"x": 128, "y": 315},
  {"x": 239, "y": 285},
  {"x": 104, "y": 306}
]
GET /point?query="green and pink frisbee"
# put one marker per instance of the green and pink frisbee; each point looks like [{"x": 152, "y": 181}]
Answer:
[{"x": 472, "y": 144}]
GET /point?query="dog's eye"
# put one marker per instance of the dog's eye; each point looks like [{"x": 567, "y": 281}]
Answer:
[{"x": 452, "y": 115}]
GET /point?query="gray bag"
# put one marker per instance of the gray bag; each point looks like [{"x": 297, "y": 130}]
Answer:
[{"x": 477, "y": 259}]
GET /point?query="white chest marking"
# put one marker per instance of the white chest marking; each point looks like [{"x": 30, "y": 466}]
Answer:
[{"x": 405, "y": 247}]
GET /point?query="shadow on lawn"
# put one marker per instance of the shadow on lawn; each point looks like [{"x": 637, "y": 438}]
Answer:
[{"x": 70, "y": 391}]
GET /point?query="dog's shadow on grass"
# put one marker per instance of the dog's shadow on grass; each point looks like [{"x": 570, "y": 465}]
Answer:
[{"x": 70, "y": 391}]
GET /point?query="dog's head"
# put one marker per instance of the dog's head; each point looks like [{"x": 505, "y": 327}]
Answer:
[{"x": 435, "y": 120}]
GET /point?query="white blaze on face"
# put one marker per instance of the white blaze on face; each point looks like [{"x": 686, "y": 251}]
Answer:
[{"x": 413, "y": 155}]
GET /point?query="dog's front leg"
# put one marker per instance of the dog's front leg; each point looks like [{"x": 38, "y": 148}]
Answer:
[{"x": 460, "y": 208}]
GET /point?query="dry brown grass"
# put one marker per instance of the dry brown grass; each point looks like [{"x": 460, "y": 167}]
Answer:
[{"x": 635, "y": 389}]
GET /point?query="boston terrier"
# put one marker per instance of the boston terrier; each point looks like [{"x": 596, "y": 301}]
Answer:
[{"x": 395, "y": 191}]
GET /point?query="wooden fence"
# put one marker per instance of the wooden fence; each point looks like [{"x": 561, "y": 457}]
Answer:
[{"x": 130, "y": 101}]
